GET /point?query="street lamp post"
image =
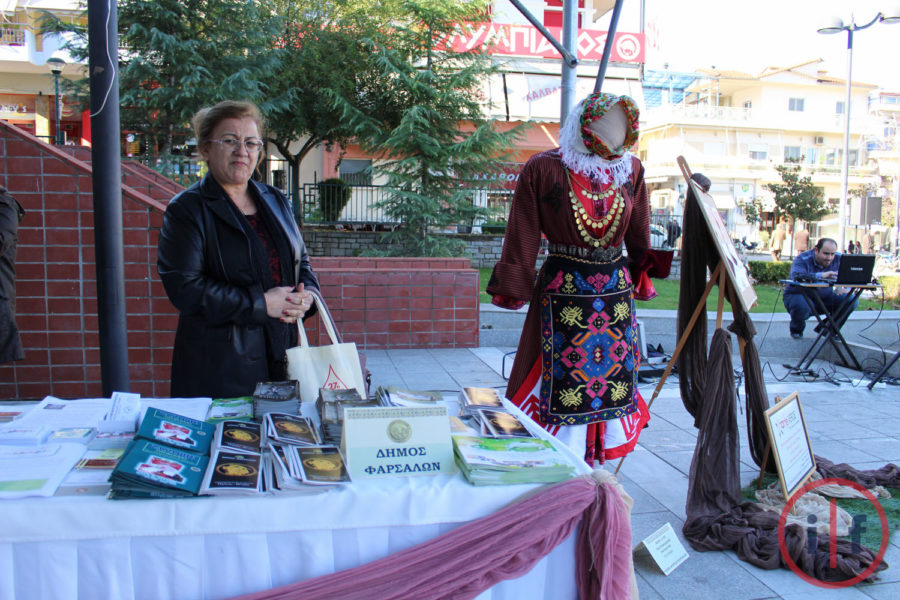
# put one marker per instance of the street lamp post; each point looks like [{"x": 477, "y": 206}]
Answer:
[
  {"x": 56, "y": 65},
  {"x": 836, "y": 25}
]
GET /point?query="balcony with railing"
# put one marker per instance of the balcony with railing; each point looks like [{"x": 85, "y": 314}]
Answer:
[
  {"x": 12, "y": 34},
  {"x": 679, "y": 113},
  {"x": 728, "y": 116}
]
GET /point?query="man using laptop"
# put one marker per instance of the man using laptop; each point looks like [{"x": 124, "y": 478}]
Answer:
[{"x": 821, "y": 264}]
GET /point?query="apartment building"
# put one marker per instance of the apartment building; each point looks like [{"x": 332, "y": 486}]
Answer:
[
  {"x": 28, "y": 96},
  {"x": 735, "y": 127}
]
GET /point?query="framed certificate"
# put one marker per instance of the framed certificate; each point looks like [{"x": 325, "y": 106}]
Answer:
[{"x": 790, "y": 445}]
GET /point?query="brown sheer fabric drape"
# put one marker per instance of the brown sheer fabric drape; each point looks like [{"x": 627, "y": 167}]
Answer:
[
  {"x": 717, "y": 519},
  {"x": 699, "y": 253}
]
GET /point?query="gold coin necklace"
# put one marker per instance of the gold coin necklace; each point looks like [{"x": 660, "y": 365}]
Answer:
[{"x": 605, "y": 226}]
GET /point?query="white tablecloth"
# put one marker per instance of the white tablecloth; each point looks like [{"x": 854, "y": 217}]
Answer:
[{"x": 92, "y": 548}]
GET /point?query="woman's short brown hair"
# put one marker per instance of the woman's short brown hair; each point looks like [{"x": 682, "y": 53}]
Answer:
[{"x": 207, "y": 118}]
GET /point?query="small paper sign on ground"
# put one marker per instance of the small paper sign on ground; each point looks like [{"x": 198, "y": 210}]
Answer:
[{"x": 665, "y": 548}]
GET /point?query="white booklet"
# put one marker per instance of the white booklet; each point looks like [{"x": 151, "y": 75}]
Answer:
[{"x": 36, "y": 470}]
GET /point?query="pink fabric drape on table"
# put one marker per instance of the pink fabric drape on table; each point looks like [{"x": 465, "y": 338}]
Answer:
[{"x": 507, "y": 544}]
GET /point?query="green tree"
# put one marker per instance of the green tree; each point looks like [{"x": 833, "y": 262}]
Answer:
[
  {"x": 176, "y": 56},
  {"x": 752, "y": 209},
  {"x": 433, "y": 156},
  {"x": 322, "y": 54},
  {"x": 796, "y": 196},
  {"x": 181, "y": 55}
]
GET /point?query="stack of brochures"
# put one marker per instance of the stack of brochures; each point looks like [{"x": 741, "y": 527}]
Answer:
[
  {"x": 167, "y": 458},
  {"x": 276, "y": 396},
  {"x": 73, "y": 435},
  {"x": 235, "y": 465},
  {"x": 291, "y": 429},
  {"x": 330, "y": 406},
  {"x": 298, "y": 461},
  {"x": 394, "y": 396},
  {"x": 487, "y": 413},
  {"x": 230, "y": 409},
  {"x": 306, "y": 468},
  {"x": 498, "y": 423},
  {"x": 473, "y": 398},
  {"x": 91, "y": 475},
  {"x": 35, "y": 470},
  {"x": 511, "y": 460},
  {"x": 19, "y": 435}
]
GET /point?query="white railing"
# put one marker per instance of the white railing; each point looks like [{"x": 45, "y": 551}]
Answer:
[{"x": 698, "y": 112}]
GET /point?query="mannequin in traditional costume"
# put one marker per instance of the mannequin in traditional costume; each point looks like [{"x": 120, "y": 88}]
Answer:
[{"x": 575, "y": 371}]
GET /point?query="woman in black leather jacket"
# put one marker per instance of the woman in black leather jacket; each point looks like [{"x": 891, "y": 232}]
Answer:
[{"x": 233, "y": 263}]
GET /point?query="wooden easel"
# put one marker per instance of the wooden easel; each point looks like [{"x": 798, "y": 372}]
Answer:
[{"x": 718, "y": 275}]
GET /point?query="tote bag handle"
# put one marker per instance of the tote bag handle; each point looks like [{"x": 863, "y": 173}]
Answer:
[{"x": 326, "y": 319}]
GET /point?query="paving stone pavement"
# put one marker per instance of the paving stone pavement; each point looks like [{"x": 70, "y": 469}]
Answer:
[{"x": 846, "y": 423}]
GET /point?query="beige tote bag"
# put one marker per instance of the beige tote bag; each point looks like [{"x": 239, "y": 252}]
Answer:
[{"x": 335, "y": 366}]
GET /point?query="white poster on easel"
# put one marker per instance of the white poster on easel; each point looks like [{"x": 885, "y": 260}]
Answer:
[{"x": 735, "y": 269}]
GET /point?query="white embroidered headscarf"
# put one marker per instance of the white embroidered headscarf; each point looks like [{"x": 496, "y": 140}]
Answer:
[{"x": 578, "y": 158}]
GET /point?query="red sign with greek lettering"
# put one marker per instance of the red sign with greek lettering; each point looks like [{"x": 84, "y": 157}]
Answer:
[{"x": 526, "y": 40}]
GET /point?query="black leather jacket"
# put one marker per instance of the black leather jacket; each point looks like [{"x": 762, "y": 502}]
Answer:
[
  {"x": 206, "y": 266},
  {"x": 10, "y": 216}
]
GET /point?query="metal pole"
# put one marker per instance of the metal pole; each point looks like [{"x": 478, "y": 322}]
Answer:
[
  {"x": 607, "y": 47},
  {"x": 896, "y": 246},
  {"x": 568, "y": 56},
  {"x": 59, "y": 138},
  {"x": 845, "y": 163},
  {"x": 569, "y": 70},
  {"x": 107, "y": 184}
]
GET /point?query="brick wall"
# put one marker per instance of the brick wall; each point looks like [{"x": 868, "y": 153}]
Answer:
[
  {"x": 400, "y": 302},
  {"x": 56, "y": 292},
  {"x": 378, "y": 303}
]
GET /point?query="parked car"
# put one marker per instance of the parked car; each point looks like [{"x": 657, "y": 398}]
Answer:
[{"x": 658, "y": 236}]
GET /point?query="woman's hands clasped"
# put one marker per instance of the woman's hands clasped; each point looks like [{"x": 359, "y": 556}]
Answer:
[{"x": 287, "y": 303}]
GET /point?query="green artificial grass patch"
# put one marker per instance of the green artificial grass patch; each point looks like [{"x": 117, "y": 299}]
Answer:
[{"x": 871, "y": 536}]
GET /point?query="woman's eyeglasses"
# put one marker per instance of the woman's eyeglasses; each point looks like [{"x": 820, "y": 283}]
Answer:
[{"x": 251, "y": 144}]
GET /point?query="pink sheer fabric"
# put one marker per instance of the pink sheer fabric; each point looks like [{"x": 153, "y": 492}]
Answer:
[{"x": 471, "y": 558}]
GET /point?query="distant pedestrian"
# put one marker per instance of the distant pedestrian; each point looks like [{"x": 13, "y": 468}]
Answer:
[
  {"x": 868, "y": 243},
  {"x": 673, "y": 232},
  {"x": 801, "y": 240},
  {"x": 777, "y": 243},
  {"x": 11, "y": 214}
]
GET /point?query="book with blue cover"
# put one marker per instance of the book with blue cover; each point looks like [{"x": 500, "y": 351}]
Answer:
[
  {"x": 172, "y": 429},
  {"x": 148, "y": 469}
]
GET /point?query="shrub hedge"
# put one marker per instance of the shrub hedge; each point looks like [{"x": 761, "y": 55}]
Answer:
[
  {"x": 334, "y": 193},
  {"x": 891, "y": 285},
  {"x": 764, "y": 271}
]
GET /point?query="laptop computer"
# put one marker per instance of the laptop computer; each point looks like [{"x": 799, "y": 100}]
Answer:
[{"x": 855, "y": 269}]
